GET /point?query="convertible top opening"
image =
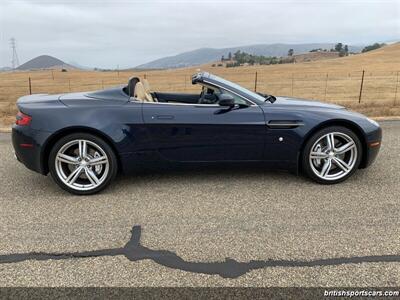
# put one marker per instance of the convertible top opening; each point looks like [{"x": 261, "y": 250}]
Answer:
[{"x": 212, "y": 88}]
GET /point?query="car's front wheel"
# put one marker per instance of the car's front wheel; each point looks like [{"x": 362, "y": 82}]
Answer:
[
  {"x": 332, "y": 155},
  {"x": 82, "y": 163}
]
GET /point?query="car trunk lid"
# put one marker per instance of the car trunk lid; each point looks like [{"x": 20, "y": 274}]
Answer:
[{"x": 38, "y": 98}]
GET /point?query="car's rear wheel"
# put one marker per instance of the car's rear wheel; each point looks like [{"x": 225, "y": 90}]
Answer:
[
  {"x": 82, "y": 163},
  {"x": 332, "y": 155}
]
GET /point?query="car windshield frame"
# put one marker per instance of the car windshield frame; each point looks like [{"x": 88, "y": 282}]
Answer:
[{"x": 229, "y": 85}]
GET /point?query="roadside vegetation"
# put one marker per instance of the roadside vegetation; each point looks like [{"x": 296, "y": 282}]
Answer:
[
  {"x": 241, "y": 58},
  {"x": 373, "y": 47}
]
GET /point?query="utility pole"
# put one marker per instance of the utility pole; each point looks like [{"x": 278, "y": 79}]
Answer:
[{"x": 14, "y": 61}]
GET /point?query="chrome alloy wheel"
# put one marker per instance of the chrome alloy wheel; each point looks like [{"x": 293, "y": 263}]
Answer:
[
  {"x": 333, "y": 156},
  {"x": 82, "y": 165}
]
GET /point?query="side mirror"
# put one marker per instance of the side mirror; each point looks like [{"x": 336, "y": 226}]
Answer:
[{"x": 226, "y": 100}]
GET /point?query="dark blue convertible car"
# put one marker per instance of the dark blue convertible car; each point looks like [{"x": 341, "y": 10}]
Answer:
[{"x": 84, "y": 139}]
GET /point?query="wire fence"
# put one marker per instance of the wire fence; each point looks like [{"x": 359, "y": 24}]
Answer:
[{"x": 357, "y": 87}]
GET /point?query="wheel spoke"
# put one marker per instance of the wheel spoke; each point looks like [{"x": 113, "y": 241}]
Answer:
[
  {"x": 74, "y": 175},
  {"x": 82, "y": 149},
  {"x": 341, "y": 164},
  {"x": 98, "y": 161},
  {"x": 67, "y": 159},
  {"x": 326, "y": 168},
  {"x": 91, "y": 176},
  {"x": 318, "y": 155},
  {"x": 330, "y": 141},
  {"x": 346, "y": 147}
]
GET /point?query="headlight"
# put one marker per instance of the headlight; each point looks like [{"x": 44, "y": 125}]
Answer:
[{"x": 373, "y": 122}]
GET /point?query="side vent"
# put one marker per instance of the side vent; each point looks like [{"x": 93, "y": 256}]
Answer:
[{"x": 284, "y": 124}]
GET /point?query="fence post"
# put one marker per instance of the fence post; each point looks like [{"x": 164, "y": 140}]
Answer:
[
  {"x": 102, "y": 84},
  {"x": 255, "y": 83},
  {"x": 30, "y": 86},
  {"x": 326, "y": 84},
  {"x": 395, "y": 93},
  {"x": 69, "y": 84},
  {"x": 361, "y": 87},
  {"x": 184, "y": 81},
  {"x": 292, "y": 83}
]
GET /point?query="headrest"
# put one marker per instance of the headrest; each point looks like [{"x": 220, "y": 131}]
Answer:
[
  {"x": 131, "y": 85},
  {"x": 140, "y": 92},
  {"x": 146, "y": 85}
]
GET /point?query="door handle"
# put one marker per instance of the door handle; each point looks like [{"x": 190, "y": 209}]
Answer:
[{"x": 163, "y": 117}]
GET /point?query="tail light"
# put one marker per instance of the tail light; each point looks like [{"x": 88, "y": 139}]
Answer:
[{"x": 23, "y": 119}]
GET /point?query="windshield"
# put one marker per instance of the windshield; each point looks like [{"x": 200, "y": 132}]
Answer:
[{"x": 238, "y": 88}]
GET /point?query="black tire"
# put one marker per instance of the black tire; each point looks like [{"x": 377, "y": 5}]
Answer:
[
  {"x": 112, "y": 162},
  {"x": 305, "y": 159}
]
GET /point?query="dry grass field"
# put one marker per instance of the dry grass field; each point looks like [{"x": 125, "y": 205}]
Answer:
[{"x": 336, "y": 80}]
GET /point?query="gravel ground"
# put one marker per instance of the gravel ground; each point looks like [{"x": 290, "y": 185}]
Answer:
[{"x": 212, "y": 219}]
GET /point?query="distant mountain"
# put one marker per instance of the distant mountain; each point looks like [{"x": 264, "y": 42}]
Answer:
[
  {"x": 79, "y": 66},
  {"x": 3, "y": 69},
  {"x": 44, "y": 62},
  {"x": 207, "y": 55}
]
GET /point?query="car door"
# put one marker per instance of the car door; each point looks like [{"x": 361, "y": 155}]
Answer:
[{"x": 205, "y": 132}]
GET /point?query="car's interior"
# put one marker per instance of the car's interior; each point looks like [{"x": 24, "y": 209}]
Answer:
[{"x": 139, "y": 88}]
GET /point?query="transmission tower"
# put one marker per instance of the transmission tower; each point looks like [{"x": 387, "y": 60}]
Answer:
[{"x": 14, "y": 61}]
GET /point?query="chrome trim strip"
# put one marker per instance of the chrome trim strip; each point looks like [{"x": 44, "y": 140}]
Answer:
[
  {"x": 176, "y": 103},
  {"x": 284, "y": 125}
]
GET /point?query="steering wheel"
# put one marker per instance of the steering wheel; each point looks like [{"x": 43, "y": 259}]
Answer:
[{"x": 201, "y": 98}]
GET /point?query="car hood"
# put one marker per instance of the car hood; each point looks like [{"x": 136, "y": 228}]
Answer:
[{"x": 298, "y": 102}]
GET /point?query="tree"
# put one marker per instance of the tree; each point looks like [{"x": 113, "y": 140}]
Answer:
[
  {"x": 252, "y": 60},
  {"x": 373, "y": 47},
  {"x": 290, "y": 52},
  {"x": 240, "y": 58},
  {"x": 346, "y": 50},
  {"x": 222, "y": 58},
  {"x": 237, "y": 56},
  {"x": 338, "y": 47},
  {"x": 229, "y": 56}
]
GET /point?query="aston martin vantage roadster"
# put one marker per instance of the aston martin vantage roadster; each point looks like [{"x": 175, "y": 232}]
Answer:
[{"x": 84, "y": 139}]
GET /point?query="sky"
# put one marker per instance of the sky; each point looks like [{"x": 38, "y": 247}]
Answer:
[{"x": 107, "y": 34}]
